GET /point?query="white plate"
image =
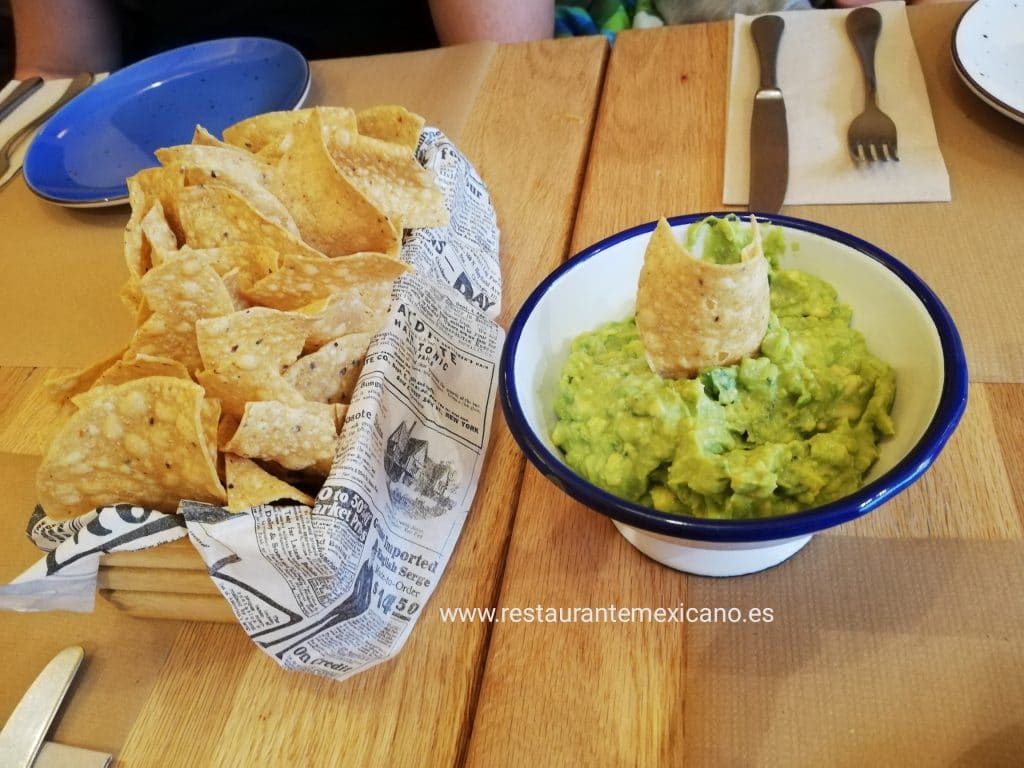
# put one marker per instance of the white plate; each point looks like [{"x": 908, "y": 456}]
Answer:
[{"x": 988, "y": 54}]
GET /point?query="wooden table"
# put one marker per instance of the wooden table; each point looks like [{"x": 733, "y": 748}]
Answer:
[{"x": 896, "y": 639}]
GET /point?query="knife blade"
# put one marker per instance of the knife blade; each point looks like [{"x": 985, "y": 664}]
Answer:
[
  {"x": 769, "y": 133},
  {"x": 21, "y": 91},
  {"x": 23, "y": 734}
]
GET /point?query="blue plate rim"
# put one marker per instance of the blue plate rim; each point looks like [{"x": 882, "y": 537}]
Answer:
[
  {"x": 952, "y": 403},
  {"x": 105, "y": 201}
]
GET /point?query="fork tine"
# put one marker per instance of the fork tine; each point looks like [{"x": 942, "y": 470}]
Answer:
[{"x": 891, "y": 149}]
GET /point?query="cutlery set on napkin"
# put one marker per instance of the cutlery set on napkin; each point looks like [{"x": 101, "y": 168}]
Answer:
[
  {"x": 806, "y": 128},
  {"x": 24, "y": 107}
]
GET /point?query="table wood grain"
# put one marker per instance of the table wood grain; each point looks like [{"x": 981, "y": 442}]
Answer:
[{"x": 852, "y": 649}]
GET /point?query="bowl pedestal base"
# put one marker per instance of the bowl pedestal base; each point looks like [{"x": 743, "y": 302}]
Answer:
[{"x": 711, "y": 558}]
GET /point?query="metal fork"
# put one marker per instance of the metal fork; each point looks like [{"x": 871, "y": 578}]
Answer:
[{"x": 872, "y": 134}]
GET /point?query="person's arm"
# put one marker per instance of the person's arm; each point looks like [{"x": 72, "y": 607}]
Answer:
[
  {"x": 466, "y": 21},
  {"x": 60, "y": 38}
]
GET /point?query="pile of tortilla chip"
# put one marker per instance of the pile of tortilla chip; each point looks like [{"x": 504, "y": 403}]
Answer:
[{"x": 259, "y": 269}]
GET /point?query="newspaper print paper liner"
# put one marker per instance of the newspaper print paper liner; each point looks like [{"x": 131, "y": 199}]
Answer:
[{"x": 337, "y": 588}]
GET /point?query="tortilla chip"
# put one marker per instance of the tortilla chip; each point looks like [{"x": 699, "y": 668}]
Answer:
[
  {"x": 209, "y": 418},
  {"x": 296, "y": 437},
  {"x": 169, "y": 337},
  {"x": 244, "y": 353},
  {"x": 302, "y": 280},
  {"x": 253, "y": 261},
  {"x": 214, "y": 216},
  {"x": 139, "y": 367},
  {"x": 249, "y": 485},
  {"x": 235, "y": 388},
  {"x": 131, "y": 296},
  {"x": 203, "y": 137},
  {"x": 235, "y": 169},
  {"x": 226, "y": 428},
  {"x": 63, "y": 388},
  {"x": 255, "y": 338},
  {"x": 333, "y": 216},
  {"x": 156, "y": 184},
  {"x": 393, "y": 124},
  {"x": 136, "y": 249},
  {"x": 158, "y": 233},
  {"x": 390, "y": 177},
  {"x": 693, "y": 314},
  {"x": 183, "y": 287},
  {"x": 236, "y": 283},
  {"x": 143, "y": 442},
  {"x": 180, "y": 291},
  {"x": 269, "y": 130},
  {"x": 329, "y": 375},
  {"x": 356, "y": 310}
]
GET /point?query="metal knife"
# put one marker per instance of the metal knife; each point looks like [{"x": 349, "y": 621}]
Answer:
[
  {"x": 769, "y": 135},
  {"x": 26, "y": 728},
  {"x": 22, "y": 91}
]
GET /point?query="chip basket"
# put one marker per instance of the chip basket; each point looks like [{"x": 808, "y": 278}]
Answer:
[{"x": 165, "y": 582}]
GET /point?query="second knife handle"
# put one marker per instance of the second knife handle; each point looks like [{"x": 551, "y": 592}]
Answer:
[{"x": 767, "y": 31}]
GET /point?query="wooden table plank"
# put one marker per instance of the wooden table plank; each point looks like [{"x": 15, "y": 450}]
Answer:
[
  {"x": 548, "y": 688},
  {"x": 30, "y": 417},
  {"x": 698, "y": 694},
  {"x": 657, "y": 147},
  {"x": 970, "y": 491},
  {"x": 1007, "y": 404},
  {"x": 527, "y": 135}
]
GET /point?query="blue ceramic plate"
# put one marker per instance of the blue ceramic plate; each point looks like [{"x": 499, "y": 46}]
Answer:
[{"x": 83, "y": 155}]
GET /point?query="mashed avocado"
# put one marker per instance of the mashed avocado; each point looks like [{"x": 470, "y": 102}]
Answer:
[{"x": 795, "y": 427}]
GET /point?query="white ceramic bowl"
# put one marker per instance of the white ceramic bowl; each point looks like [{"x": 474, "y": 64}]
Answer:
[{"x": 903, "y": 321}]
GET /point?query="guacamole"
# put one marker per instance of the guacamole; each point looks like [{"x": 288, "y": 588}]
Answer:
[{"x": 796, "y": 426}]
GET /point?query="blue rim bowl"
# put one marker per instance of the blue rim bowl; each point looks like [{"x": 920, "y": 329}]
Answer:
[{"x": 952, "y": 401}]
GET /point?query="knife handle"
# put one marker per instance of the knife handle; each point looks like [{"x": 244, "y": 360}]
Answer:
[
  {"x": 767, "y": 31},
  {"x": 864, "y": 26}
]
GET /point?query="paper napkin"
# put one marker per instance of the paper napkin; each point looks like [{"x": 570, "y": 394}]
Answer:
[
  {"x": 34, "y": 105},
  {"x": 820, "y": 77}
]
